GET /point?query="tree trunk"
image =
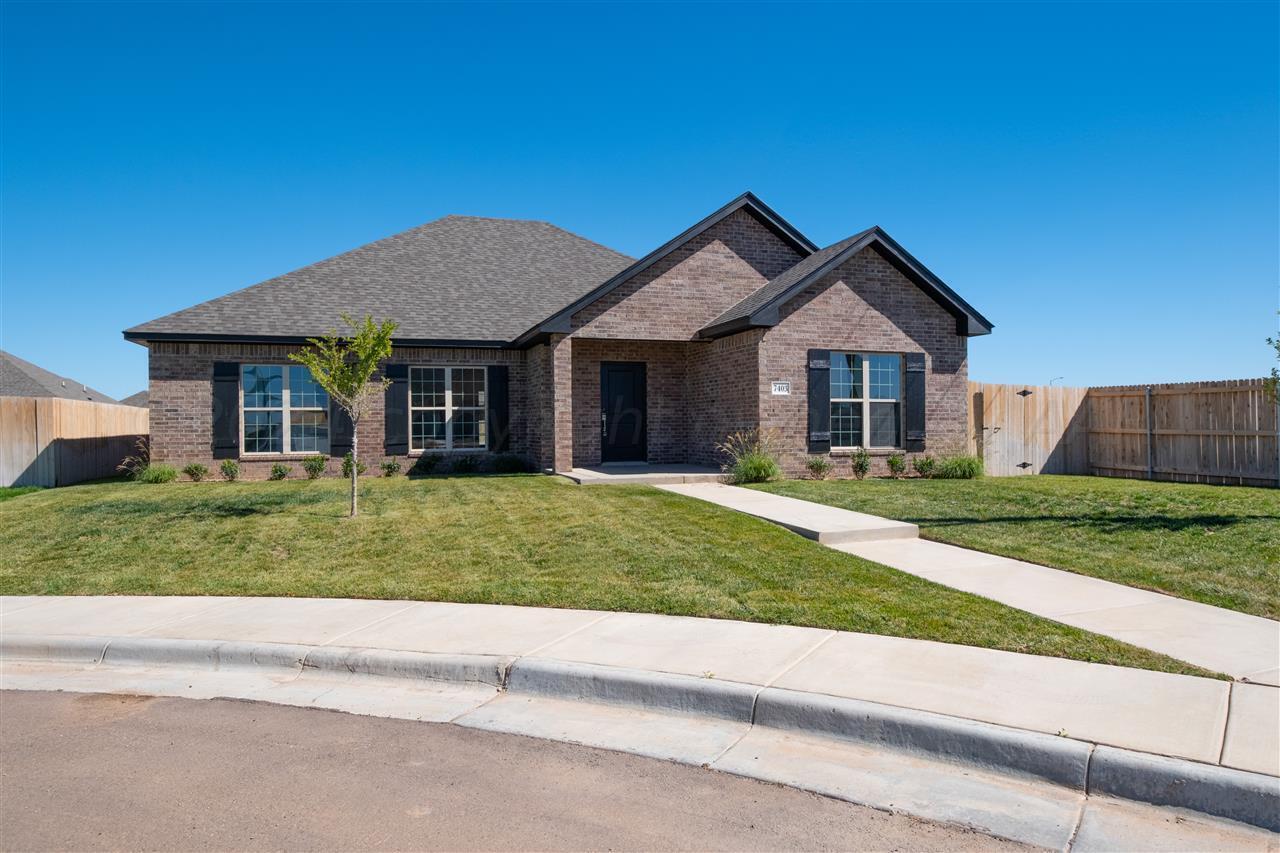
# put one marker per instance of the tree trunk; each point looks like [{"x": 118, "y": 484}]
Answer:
[{"x": 355, "y": 467}]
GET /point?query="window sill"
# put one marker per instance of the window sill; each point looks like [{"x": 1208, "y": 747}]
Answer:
[
  {"x": 278, "y": 457},
  {"x": 444, "y": 451},
  {"x": 871, "y": 451}
]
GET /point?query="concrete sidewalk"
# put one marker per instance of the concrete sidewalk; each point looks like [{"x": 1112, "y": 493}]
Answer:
[
  {"x": 1025, "y": 747},
  {"x": 1240, "y": 645},
  {"x": 1161, "y": 713}
]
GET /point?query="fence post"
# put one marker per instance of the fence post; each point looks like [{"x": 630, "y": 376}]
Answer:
[{"x": 1151, "y": 450}]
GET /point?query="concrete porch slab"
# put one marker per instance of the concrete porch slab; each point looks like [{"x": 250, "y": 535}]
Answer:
[
  {"x": 826, "y": 524},
  {"x": 642, "y": 473}
]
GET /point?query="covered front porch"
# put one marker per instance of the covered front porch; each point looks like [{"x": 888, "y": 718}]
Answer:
[
  {"x": 623, "y": 473},
  {"x": 644, "y": 403}
]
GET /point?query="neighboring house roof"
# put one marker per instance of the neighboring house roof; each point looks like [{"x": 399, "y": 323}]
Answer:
[
  {"x": 761, "y": 307},
  {"x": 19, "y": 378},
  {"x": 457, "y": 279},
  {"x": 140, "y": 400},
  {"x": 560, "y": 321}
]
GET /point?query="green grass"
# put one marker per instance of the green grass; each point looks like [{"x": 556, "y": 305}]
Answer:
[
  {"x": 11, "y": 492},
  {"x": 1218, "y": 545},
  {"x": 527, "y": 540}
]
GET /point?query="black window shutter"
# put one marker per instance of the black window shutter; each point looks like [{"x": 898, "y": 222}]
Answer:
[
  {"x": 499, "y": 409},
  {"x": 396, "y": 410},
  {"x": 341, "y": 432},
  {"x": 226, "y": 410},
  {"x": 914, "y": 394},
  {"x": 819, "y": 401}
]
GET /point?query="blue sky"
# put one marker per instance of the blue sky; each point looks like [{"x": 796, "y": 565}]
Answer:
[{"x": 1101, "y": 180}]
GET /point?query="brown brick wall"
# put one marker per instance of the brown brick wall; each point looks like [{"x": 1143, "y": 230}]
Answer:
[
  {"x": 722, "y": 391},
  {"x": 692, "y": 286},
  {"x": 669, "y": 416},
  {"x": 865, "y": 305},
  {"x": 181, "y": 383}
]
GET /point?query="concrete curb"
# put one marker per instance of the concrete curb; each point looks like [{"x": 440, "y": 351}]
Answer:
[
  {"x": 1073, "y": 764},
  {"x": 1237, "y": 795},
  {"x": 56, "y": 649},
  {"x": 1059, "y": 760},
  {"x": 383, "y": 663},
  {"x": 146, "y": 651},
  {"x": 650, "y": 690}
]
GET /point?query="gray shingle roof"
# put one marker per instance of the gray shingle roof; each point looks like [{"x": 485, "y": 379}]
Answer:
[
  {"x": 139, "y": 399},
  {"x": 460, "y": 278},
  {"x": 19, "y": 378}
]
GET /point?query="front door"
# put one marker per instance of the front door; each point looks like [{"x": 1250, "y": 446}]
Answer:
[{"x": 623, "y": 420}]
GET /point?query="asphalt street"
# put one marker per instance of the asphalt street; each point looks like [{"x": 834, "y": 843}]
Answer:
[{"x": 86, "y": 771}]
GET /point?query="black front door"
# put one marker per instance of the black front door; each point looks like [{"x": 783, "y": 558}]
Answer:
[{"x": 622, "y": 412}]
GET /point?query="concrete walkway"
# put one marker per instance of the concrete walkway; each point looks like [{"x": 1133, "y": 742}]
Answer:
[
  {"x": 826, "y": 524},
  {"x": 1240, "y": 645},
  {"x": 1030, "y": 748}
]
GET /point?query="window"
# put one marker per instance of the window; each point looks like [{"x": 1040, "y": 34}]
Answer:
[
  {"x": 285, "y": 410},
  {"x": 866, "y": 395},
  {"x": 447, "y": 408}
]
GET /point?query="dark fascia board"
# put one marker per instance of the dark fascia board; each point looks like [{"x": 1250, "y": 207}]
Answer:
[
  {"x": 295, "y": 340},
  {"x": 968, "y": 321},
  {"x": 559, "y": 322}
]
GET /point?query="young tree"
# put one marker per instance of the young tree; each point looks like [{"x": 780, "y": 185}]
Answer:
[
  {"x": 1273, "y": 381},
  {"x": 344, "y": 366}
]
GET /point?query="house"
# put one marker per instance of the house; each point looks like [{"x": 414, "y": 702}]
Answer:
[
  {"x": 19, "y": 378},
  {"x": 517, "y": 336},
  {"x": 138, "y": 399}
]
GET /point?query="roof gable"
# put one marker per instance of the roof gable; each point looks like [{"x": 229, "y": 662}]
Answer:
[
  {"x": 560, "y": 321},
  {"x": 761, "y": 308}
]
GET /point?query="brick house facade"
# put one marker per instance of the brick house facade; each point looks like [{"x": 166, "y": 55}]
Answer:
[{"x": 738, "y": 323}]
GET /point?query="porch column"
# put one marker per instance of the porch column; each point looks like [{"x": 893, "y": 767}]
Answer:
[{"x": 562, "y": 402}]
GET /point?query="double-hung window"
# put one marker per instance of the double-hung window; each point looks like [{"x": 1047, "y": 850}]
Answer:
[
  {"x": 866, "y": 401},
  {"x": 285, "y": 410},
  {"x": 447, "y": 408}
]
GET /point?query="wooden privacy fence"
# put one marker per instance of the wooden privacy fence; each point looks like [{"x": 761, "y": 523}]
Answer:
[
  {"x": 1194, "y": 432},
  {"x": 46, "y": 441}
]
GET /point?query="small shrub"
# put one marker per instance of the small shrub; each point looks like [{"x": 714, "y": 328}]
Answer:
[
  {"x": 279, "y": 472},
  {"x": 860, "y": 463},
  {"x": 925, "y": 466},
  {"x": 425, "y": 464},
  {"x": 132, "y": 466},
  {"x": 751, "y": 457},
  {"x": 511, "y": 463},
  {"x": 466, "y": 464},
  {"x": 897, "y": 465},
  {"x": 959, "y": 468},
  {"x": 348, "y": 461},
  {"x": 157, "y": 473},
  {"x": 314, "y": 466},
  {"x": 196, "y": 471},
  {"x": 230, "y": 469},
  {"x": 390, "y": 468},
  {"x": 819, "y": 467}
]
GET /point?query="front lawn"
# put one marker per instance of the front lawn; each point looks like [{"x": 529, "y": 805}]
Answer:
[
  {"x": 527, "y": 540},
  {"x": 1218, "y": 545},
  {"x": 10, "y": 492}
]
